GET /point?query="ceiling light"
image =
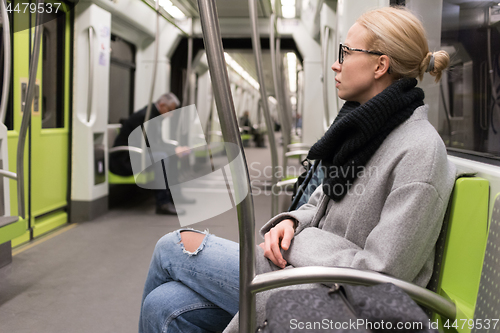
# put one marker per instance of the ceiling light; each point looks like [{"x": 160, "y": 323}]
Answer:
[
  {"x": 169, "y": 7},
  {"x": 288, "y": 11},
  {"x": 240, "y": 71}
]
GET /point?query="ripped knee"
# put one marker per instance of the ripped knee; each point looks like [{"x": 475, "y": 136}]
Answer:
[{"x": 192, "y": 241}]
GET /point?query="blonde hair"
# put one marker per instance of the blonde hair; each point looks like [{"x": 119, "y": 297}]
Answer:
[{"x": 397, "y": 33}]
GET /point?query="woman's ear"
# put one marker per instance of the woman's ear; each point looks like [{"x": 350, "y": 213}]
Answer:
[{"x": 383, "y": 66}]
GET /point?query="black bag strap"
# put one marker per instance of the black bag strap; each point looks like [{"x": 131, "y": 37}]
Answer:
[{"x": 302, "y": 182}]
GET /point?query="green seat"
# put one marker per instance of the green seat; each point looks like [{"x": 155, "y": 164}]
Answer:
[
  {"x": 142, "y": 178},
  {"x": 462, "y": 251}
]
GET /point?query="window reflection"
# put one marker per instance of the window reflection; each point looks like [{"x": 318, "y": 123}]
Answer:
[{"x": 470, "y": 88}]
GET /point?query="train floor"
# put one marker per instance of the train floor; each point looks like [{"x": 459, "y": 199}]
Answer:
[{"x": 88, "y": 277}]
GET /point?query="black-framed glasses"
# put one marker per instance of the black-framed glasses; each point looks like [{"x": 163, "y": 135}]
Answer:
[{"x": 344, "y": 48}]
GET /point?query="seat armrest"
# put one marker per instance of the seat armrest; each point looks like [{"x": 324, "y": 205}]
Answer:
[{"x": 319, "y": 274}]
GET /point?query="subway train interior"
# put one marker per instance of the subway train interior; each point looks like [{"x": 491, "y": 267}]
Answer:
[{"x": 256, "y": 90}]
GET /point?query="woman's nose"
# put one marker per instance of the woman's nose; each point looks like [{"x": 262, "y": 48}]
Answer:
[{"x": 336, "y": 66}]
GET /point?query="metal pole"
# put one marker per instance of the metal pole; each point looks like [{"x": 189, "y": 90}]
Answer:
[
  {"x": 230, "y": 132},
  {"x": 267, "y": 116},
  {"x": 6, "y": 61},
  {"x": 281, "y": 110},
  {"x": 155, "y": 65},
  {"x": 185, "y": 92},
  {"x": 287, "y": 113},
  {"x": 150, "y": 100},
  {"x": 27, "y": 114},
  {"x": 183, "y": 129},
  {"x": 324, "y": 46}
]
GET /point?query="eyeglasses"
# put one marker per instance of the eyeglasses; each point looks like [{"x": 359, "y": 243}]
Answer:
[{"x": 343, "y": 49}]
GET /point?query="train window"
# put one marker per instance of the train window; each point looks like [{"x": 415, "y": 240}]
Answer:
[
  {"x": 121, "y": 79},
  {"x": 53, "y": 47},
  {"x": 470, "y": 88}
]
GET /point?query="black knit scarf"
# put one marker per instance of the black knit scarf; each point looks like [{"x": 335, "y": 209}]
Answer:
[{"x": 359, "y": 130}]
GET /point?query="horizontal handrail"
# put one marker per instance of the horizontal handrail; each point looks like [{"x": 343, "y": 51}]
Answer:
[
  {"x": 172, "y": 142},
  {"x": 8, "y": 174},
  {"x": 125, "y": 148},
  {"x": 319, "y": 274},
  {"x": 294, "y": 153},
  {"x": 288, "y": 182},
  {"x": 299, "y": 145}
]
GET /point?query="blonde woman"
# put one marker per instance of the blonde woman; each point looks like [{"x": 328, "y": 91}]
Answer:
[{"x": 380, "y": 207}]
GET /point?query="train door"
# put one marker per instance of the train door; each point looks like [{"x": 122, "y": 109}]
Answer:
[{"x": 46, "y": 158}]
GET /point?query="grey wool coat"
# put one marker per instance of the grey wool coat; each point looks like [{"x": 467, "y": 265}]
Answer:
[{"x": 388, "y": 222}]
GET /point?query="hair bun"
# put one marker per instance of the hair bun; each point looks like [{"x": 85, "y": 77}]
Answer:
[{"x": 434, "y": 63}]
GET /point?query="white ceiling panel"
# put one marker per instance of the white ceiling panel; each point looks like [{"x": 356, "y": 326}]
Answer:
[{"x": 229, "y": 8}]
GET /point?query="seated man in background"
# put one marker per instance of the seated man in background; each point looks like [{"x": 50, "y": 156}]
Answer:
[
  {"x": 120, "y": 164},
  {"x": 248, "y": 128}
]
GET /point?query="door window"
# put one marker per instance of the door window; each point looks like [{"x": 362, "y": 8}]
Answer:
[
  {"x": 121, "y": 80},
  {"x": 53, "y": 46}
]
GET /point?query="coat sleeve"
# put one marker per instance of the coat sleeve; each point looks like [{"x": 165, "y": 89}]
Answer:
[
  {"x": 304, "y": 216},
  {"x": 399, "y": 245}
]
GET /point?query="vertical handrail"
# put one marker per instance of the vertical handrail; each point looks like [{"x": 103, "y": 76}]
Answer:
[
  {"x": 185, "y": 91},
  {"x": 151, "y": 93},
  {"x": 229, "y": 126},
  {"x": 324, "y": 46},
  {"x": 263, "y": 94},
  {"x": 287, "y": 113},
  {"x": 155, "y": 66},
  {"x": 6, "y": 61},
  {"x": 27, "y": 114},
  {"x": 491, "y": 75},
  {"x": 90, "y": 94},
  {"x": 300, "y": 97},
  {"x": 281, "y": 108},
  {"x": 183, "y": 127},
  {"x": 483, "y": 91}
]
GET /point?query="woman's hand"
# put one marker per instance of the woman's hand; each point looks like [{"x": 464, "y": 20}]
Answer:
[{"x": 279, "y": 236}]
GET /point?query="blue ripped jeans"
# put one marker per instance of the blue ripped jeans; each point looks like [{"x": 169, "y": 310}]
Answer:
[{"x": 191, "y": 292}]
